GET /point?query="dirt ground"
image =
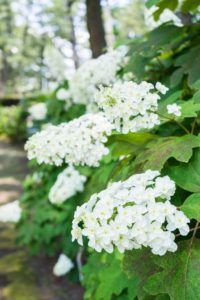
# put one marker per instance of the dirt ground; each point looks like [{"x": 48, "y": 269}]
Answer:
[{"x": 23, "y": 277}]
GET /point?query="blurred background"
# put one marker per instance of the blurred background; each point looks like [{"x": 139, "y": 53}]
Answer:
[{"x": 43, "y": 42}]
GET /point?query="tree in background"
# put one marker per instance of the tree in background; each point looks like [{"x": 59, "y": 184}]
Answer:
[
  {"x": 130, "y": 19},
  {"x": 73, "y": 39},
  {"x": 43, "y": 42},
  {"x": 95, "y": 27},
  {"x": 27, "y": 29},
  {"x": 6, "y": 26}
]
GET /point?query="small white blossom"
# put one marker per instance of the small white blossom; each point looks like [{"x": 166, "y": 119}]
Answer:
[
  {"x": 10, "y": 212},
  {"x": 174, "y": 109},
  {"x": 161, "y": 88},
  {"x": 63, "y": 94},
  {"x": 38, "y": 111},
  {"x": 129, "y": 106},
  {"x": 68, "y": 183},
  {"x": 129, "y": 215},
  {"x": 56, "y": 63},
  {"x": 63, "y": 265},
  {"x": 79, "y": 142}
]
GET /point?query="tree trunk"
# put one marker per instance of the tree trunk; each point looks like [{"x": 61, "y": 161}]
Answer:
[{"x": 95, "y": 27}]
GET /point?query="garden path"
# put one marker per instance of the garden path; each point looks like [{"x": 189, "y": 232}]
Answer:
[{"x": 22, "y": 277}]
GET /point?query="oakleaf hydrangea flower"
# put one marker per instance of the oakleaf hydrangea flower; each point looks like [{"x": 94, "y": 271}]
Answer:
[
  {"x": 130, "y": 214},
  {"x": 95, "y": 72},
  {"x": 56, "y": 63},
  {"x": 68, "y": 183},
  {"x": 130, "y": 106},
  {"x": 174, "y": 109},
  {"x": 79, "y": 142},
  {"x": 63, "y": 265},
  {"x": 38, "y": 111},
  {"x": 10, "y": 212}
]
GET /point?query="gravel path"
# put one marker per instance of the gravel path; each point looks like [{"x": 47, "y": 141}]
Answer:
[{"x": 22, "y": 277}]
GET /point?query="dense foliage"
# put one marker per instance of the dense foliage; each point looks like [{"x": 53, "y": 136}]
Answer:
[
  {"x": 168, "y": 54},
  {"x": 12, "y": 122}
]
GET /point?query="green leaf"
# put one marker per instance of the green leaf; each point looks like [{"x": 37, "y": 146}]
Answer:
[
  {"x": 189, "y": 109},
  {"x": 90, "y": 276},
  {"x": 144, "y": 51},
  {"x": 162, "y": 297},
  {"x": 196, "y": 97},
  {"x": 159, "y": 151},
  {"x": 191, "y": 206},
  {"x": 163, "y": 4},
  {"x": 163, "y": 37},
  {"x": 196, "y": 84},
  {"x": 176, "y": 77},
  {"x": 138, "y": 264},
  {"x": 187, "y": 176},
  {"x": 113, "y": 281},
  {"x": 136, "y": 139},
  {"x": 188, "y": 63},
  {"x": 151, "y": 3},
  {"x": 189, "y": 6},
  {"x": 172, "y": 98},
  {"x": 137, "y": 65},
  {"x": 118, "y": 149},
  {"x": 104, "y": 278},
  {"x": 98, "y": 181},
  {"x": 180, "y": 275},
  {"x": 127, "y": 144}
]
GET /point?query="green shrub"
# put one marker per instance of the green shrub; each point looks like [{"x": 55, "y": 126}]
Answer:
[{"x": 12, "y": 122}]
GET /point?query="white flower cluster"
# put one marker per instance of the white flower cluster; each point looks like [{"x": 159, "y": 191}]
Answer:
[
  {"x": 79, "y": 142},
  {"x": 68, "y": 183},
  {"x": 38, "y": 111},
  {"x": 131, "y": 214},
  {"x": 95, "y": 72},
  {"x": 58, "y": 67},
  {"x": 174, "y": 109},
  {"x": 63, "y": 265},
  {"x": 10, "y": 212},
  {"x": 130, "y": 106}
]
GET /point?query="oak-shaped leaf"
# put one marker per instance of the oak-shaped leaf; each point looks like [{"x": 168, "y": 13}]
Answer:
[
  {"x": 188, "y": 63},
  {"x": 180, "y": 275},
  {"x": 159, "y": 151},
  {"x": 139, "y": 265},
  {"x": 113, "y": 281},
  {"x": 131, "y": 143},
  {"x": 104, "y": 278}
]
